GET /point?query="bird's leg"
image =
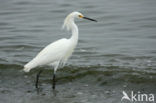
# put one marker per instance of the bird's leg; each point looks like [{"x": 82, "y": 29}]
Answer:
[
  {"x": 55, "y": 68},
  {"x": 53, "y": 81},
  {"x": 37, "y": 78}
]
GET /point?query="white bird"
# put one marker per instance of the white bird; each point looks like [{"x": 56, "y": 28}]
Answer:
[{"x": 58, "y": 52}]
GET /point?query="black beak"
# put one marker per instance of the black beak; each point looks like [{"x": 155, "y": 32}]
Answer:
[{"x": 89, "y": 19}]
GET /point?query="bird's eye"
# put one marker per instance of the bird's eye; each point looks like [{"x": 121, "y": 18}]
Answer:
[{"x": 80, "y": 16}]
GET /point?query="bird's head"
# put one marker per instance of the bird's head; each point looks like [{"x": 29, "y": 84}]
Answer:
[{"x": 70, "y": 18}]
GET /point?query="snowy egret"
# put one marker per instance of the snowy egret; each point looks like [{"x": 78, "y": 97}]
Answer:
[{"x": 57, "y": 53}]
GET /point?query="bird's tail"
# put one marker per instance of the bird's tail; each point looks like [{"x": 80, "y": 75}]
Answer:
[{"x": 26, "y": 69}]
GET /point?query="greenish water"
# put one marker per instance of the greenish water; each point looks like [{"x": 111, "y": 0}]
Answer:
[
  {"x": 117, "y": 53},
  {"x": 74, "y": 84}
]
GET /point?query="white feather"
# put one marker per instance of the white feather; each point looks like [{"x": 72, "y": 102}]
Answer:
[{"x": 59, "y": 51}]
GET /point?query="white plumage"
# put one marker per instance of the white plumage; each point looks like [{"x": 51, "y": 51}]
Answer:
[
  {"x": 59, "y": 51},
  {"x": 52, "y": 54}
]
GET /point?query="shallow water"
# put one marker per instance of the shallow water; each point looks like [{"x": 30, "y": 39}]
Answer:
[{"x": 117, "y": 53}]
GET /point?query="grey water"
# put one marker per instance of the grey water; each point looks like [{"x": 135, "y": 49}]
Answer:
[{"x": 117, "y": 53}]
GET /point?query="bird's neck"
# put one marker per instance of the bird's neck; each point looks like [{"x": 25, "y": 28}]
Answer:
[{"x": 74, "y": 30}]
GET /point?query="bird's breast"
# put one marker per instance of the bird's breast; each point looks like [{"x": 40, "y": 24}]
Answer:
[{"x": 70, "y": 50}]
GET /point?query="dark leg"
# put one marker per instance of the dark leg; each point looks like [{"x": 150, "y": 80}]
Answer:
[
  {"x": 37, "y": 78},
  {"x": 53, "y": 81}
]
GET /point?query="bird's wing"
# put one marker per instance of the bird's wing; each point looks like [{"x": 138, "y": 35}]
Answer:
[
  {"x": 51, "y": 53},
  {"x": 54, "y": 47}
]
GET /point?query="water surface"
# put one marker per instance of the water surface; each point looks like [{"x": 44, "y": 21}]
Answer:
[{"x": 117, "y": 53}]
